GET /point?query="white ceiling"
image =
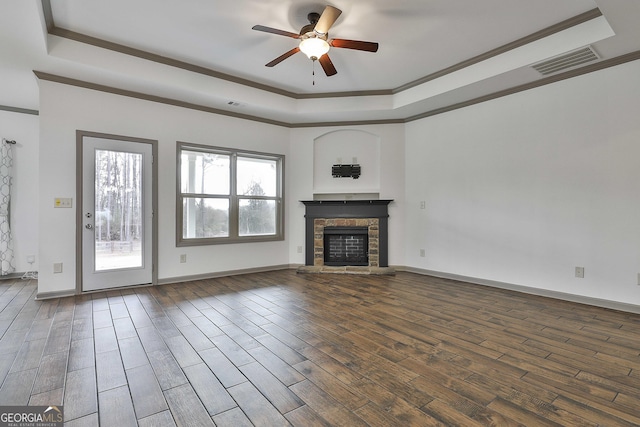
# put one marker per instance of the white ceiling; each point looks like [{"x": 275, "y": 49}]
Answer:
[{"x": 417, "y": 39}]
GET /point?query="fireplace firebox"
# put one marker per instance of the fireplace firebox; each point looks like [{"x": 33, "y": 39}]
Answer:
[{"x": 346, "y": 246}]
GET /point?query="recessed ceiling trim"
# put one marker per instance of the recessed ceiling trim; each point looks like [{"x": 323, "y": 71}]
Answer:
[
  {"x": 549, "y": 31},
  {"x": 153, "y": 98},
  {"x": 178, "y": 103},
  {"x": 19, "y": 110},
  {"x": 94, "y": 41},
  {"x": 142, "y": 54},
  {"x": 347, "y": 123},
  {"x": 48, "y": 14},
  {"x": 619, "y": 60}
]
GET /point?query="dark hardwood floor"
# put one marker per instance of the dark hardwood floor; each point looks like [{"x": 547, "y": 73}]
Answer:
[{"x": 282, "y": 348}]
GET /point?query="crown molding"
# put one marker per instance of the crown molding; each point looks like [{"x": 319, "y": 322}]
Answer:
[
  {"x": 126, "y": 50},
  {"x": 198, "y": 107},
  {"x": 546, "y": 32},
  {"x": 19, "y": 110},
  {"x": 82, "y": 38},
  {"x": 148, "y": 97},
  {"x": 101, "y": 43},
  {"x": 601, "y": 65}
]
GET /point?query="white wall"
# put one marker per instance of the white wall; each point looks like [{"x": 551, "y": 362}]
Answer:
[
  {"x": 518, "y": 190},
  {"x": 65, "y": 109},
  {"x": 23, "y": 128},
  {"x": 383, "y": 175},
  {"x": 346, "y": 146},
  {"x": 525, "y": 188}
]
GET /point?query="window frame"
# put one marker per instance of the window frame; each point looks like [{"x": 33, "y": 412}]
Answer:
[{"x": 233, "y": 197}]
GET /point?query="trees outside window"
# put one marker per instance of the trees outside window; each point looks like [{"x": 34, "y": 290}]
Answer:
[
  {"x": 228, "y": 196},
  {"x": 118, "y": 195}
]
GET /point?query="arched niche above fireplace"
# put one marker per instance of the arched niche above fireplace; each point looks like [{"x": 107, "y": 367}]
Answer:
[{"x": 346, "y": 146}]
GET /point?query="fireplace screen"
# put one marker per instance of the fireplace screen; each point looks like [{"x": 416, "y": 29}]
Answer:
[{"x": 346, "y": 246}]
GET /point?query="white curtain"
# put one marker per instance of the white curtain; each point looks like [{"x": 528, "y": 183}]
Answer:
[{"x": 6, "y": 244}]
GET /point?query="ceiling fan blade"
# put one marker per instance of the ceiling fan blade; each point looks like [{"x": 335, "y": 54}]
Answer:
[
  {"x": 282, "y": 57},
  {"x": 328, "y": 17},
  {"x": 354, "y": 44},
  {"x": 275, "y": 31},
  {"x": 327, "y": 65}
]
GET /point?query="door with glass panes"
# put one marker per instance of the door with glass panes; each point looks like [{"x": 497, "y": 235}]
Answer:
[{"x": 117, "y": 213}]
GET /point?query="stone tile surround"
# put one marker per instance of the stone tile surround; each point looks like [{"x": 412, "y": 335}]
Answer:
[
  {"x": 371, "y": 214},
  {"x": 372, "y": 225}
]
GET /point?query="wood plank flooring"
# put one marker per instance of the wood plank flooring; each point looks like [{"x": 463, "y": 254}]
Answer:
[{"x": 282, "y": 348}]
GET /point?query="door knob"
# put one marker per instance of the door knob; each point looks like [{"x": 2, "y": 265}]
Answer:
[{"x": 88, "y": 226}]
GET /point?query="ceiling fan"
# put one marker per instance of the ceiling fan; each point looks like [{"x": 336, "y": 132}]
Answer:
[{"x": 315, "y": 41}]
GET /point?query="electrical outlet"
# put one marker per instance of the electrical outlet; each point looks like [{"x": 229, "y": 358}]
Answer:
[
  {"x": 422, "y": 253},
  {"x": 62, "y": 202},
  {"x": 299, "y": 249},
  {"x": 31, "y": 259},
  {"x": 580, "y": 272},
  {"x": 57, "y": 267},
  {"x": 638, "y": 279},
  {"x": 183, "y": 258},
  {"x": 423, "y": 205}
]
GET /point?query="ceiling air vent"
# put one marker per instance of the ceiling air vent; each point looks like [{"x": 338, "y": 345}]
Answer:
[{"x": 566, "y": 61}]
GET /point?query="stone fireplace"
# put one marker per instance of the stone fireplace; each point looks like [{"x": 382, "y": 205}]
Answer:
[{"x": 346, "y": 236}]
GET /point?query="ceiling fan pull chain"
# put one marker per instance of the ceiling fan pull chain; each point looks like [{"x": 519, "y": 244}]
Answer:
[{"x": 313, "y": 73}]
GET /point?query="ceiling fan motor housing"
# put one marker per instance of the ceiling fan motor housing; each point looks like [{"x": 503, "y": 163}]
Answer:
[
  {"x": 313, "y": 20},
  {"x": 313, "y": 17}
]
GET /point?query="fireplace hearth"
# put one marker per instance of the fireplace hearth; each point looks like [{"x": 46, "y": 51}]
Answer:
[{"x": 348, "y": 236}]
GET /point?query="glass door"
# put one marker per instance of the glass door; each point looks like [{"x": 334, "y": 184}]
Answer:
[{"x": 117, "y": 217}]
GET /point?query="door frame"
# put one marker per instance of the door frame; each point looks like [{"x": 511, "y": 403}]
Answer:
[{"x": 80, "y": 134}]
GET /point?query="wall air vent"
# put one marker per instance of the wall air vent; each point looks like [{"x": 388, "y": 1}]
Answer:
[{"x": 566, "y": 60}]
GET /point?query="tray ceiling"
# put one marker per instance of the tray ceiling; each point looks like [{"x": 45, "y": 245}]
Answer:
[{"x": 433, "y": 55}]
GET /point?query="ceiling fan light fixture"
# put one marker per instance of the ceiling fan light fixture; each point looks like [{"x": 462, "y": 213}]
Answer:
[
  {"x": 314, "y": 47},
  {"x": 314, "y": 40}
]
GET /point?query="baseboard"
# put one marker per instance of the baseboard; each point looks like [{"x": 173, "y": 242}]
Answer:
[
  {"x": 191, "y": 278},
  {"x": 12, "y": 276},
  {"x": 597, "y": 302},
  {"x": 57, "y": 294},
  {"x": 178, "y": 279}
]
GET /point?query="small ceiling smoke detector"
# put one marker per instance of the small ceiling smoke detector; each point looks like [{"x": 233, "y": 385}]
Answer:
[{"x": 567, "y": 60}]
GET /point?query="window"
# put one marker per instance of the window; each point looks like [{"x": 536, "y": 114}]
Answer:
[{"x": 228, "y": 196}]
